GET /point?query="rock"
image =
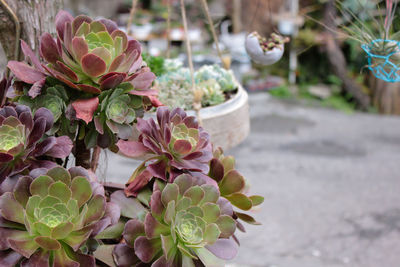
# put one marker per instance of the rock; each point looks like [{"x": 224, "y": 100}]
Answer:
[{"x": 320, "y": 90}]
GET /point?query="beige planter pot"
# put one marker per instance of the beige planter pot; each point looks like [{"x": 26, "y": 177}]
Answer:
[{"x": 228, "y": 123}]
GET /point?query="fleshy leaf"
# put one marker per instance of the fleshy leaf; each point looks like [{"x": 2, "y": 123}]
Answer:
[{"x": 85, "y": 108}]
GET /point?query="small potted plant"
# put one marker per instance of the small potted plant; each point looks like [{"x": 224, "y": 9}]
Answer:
[
  {"x": 265, "y": 51},
  {"x": 88, "y": 91},
  {"x": 222, "y": 99}
]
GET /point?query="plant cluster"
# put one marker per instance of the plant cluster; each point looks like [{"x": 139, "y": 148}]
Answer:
[
  {"x": 91, "y": 88},
  {"x": 274, "y": 41},
  {"x": 175, "y": 87},
  {"x": 89, "y": 71}
]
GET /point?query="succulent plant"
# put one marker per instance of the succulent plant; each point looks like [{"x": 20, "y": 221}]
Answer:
[
  {"x": 116, "y": 114},
  {"x": 48, "y": 218},
  {"x": 90, "y": 56},
  {"x": 22, "y": 140},
  {"x": 232, "y": 185},
  {"x": 188, "y": 224},
  {"x": 212, "y": 93},
  {"x": 224, "y": 78},
  {"x": 275, "y": 41},
  {"x": 54, "y": 98},
  {"x": 156, "y": 64},
  {"x": 175, "y": 89},
  {"x": 176, "y": 145}
]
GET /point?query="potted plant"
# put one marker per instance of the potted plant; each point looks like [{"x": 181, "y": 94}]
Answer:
[
  {"x": 224, "y": 103},
  {"x": 265, "y": 51},
  {"x": 89, "y": 91},
  {"x": 378, "y": 39}
]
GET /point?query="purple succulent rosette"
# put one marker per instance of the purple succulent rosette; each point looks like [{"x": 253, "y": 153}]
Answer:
[
  {"x": 188, "y": 224},
  {"x": 177, "y": 144},
  {"x": 48, "y": 218},
  {"x": 90, "y": 56},
  {"x": 23, "y": 140}
]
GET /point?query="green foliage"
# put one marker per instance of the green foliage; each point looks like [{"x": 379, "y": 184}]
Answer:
[
  {"x": 281, "y": 92},
  {"x": 175, "y": 87},
  {"x": 156, "y": 64}
]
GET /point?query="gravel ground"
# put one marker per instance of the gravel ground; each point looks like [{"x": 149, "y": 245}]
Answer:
[{"x": 331, "y": 182}]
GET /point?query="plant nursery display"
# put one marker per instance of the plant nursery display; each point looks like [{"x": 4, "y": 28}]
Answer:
[{"x": 88, "y": 91}]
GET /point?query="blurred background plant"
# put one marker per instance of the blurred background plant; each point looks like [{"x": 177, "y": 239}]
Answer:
[{"x": 325, "y": 44}]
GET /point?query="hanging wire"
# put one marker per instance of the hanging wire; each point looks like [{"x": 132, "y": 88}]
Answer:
[
  {"x": 211, "y": 24},
  {"x": 131, "y": 13},
  {"x": 169, "y": 28},
  {"x": 197, "y": 94},
  {"x": 255, "y": 14}
]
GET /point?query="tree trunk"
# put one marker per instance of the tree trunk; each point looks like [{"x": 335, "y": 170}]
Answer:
[
  {"x": 386, "y": 96},
  {"x": 337, "y": 59},
  {"x": 35, "y": 17}
]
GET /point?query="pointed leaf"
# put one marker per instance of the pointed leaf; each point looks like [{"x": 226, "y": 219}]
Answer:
[{"x": 85, "y": 108}]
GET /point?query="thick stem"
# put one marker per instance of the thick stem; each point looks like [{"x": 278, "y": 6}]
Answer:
[
  {"x": 95, "y": 158},
  {"x": 82, "y": 154}
]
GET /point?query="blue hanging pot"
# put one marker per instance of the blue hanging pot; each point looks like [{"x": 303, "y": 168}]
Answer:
[{"x": 384, "y": 59}]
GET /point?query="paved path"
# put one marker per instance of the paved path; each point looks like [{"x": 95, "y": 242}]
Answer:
[{"x": 331, "y": 182}]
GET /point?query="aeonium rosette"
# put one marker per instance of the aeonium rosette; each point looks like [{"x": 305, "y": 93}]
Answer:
[
  {"x": 91, "y": 56},
  {"x": 177, "y": 144},
  {"x": 23, "y": 140},
  {"x": 188, "y": 223},
  {"x": 48, "y": 218}
]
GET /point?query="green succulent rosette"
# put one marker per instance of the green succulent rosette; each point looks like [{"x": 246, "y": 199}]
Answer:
[
  {"x": 46, "y": 220},
  {"x": 115, "y": 115},
  {"x": 212, "y": 93},
  {"x": 188, "y": 225},
  {"x": 24, "y": 144},
  {"x": 223, "y": 77},
  {"x": 232, "y": 185},
  {"x": 56, "y": 99}
]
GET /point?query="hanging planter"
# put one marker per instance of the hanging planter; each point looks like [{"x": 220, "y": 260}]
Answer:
[
  {"x": 381, "y": 46},
  {"x": 263, "y": 51},
  {"x": 384, "y": 59}
]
